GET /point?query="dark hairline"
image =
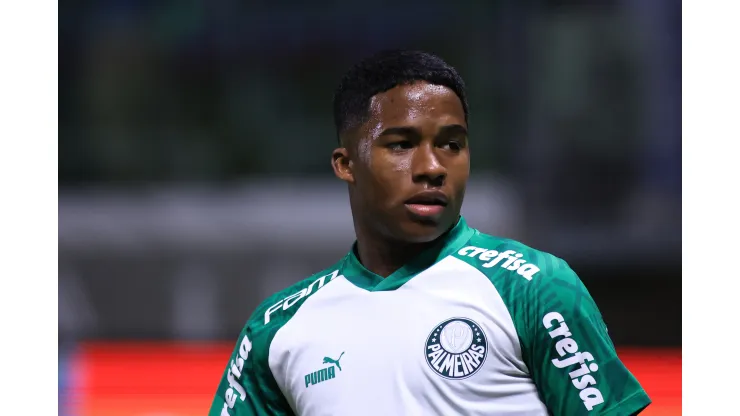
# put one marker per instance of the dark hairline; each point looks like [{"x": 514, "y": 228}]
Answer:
[
  {"x": 383, "y": 72},
  {"x": 368, "y": 113}
]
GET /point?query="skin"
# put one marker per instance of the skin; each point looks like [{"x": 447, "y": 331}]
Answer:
[{"x": 414, "y": 140}]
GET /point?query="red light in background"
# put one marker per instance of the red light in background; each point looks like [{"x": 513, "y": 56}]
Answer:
[{"x": 180, "y": 379}]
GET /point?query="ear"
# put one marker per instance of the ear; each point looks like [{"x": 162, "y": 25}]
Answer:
[{"x": 342, "y": 165}]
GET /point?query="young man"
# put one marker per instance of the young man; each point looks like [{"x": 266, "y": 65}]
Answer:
[{"x": 425, "y": 315}]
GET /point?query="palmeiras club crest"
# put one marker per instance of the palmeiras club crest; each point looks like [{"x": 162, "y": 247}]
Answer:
[{"x": 456, "y": 348}]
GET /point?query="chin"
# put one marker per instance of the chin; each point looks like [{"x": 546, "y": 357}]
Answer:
[{"x": 416, "y": 231}]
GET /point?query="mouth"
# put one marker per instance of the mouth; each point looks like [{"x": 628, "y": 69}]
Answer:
[{"x": 427, "y": 204}]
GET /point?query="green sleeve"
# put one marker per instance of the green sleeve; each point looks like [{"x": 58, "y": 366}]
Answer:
[
  {"x": 569, "y": 353},
  {"x": 247, "y": 386}
]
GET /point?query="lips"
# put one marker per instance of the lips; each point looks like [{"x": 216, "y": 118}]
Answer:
[
  {"x": 428, "y": 198},
  {"x": 428, "y": 204}
]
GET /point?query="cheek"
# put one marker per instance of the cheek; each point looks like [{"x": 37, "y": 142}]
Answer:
[
  {"x": 384, "y": 180},
  {"x": 459, "y": 176},
  {"x": 388, "y": 167},
  {"x": 364, "y": 153},
  {"x": 401, "y": 165}
]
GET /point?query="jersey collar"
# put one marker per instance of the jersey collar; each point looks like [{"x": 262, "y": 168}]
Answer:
[{"x": 363, "y": 278}]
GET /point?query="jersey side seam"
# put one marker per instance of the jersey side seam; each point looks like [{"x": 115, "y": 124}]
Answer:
[
  {"x": 509, "y": 318},
  {"x": 295, "y": 313}
]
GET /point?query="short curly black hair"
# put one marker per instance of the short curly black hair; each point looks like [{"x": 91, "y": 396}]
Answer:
[{"x": 386, "y": 70}]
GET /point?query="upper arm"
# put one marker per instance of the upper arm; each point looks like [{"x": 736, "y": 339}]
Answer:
[
  {"x": 569, "y": 353},
  {"x": 247, "y": 386}
]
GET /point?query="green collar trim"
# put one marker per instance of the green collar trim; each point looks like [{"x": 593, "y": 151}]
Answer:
[{"x": 363, "y": 278}]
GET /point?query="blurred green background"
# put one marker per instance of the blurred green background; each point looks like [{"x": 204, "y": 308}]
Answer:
[
  {"x": 194, "y": 144},
  {"x": 195, "y": 139}
]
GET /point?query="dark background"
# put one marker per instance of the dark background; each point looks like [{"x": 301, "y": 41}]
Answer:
[{"x": 195, "y": 137}]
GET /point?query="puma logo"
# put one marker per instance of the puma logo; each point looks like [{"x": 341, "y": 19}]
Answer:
[{"x": 329, "y": 360}]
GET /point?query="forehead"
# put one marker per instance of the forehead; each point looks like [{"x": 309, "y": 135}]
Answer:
[{"x": 415, "y": 104}]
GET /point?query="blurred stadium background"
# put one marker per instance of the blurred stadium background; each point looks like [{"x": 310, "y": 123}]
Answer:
[{"x": 194, "y": 178}]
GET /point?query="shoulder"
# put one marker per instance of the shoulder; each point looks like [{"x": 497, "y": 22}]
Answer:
[
  {"x": 531, "y": 282},
  {"x": 520, "y": 273},
  {"x": 497, "y": 257},
  {"x": 277, "y": 309}
]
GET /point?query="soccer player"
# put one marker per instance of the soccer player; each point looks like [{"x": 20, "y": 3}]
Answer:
[{"x": 425, "y": 315}]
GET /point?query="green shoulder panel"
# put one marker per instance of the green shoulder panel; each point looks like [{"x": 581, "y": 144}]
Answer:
[
  {"x": 563, "y": 338},
  {"x": 247, "y": 386}
]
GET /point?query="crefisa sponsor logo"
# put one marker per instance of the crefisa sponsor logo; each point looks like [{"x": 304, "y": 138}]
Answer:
[
  {"x": 508, "y": 259},
  {"x": 233, "y": 375},
  {"x": 583, "y": 376}
]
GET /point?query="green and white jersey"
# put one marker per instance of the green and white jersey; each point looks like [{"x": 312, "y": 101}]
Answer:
[{"x": 478, "y": 325}]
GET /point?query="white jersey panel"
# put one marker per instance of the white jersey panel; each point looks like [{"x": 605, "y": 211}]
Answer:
[{"x": 443, "y": 343}]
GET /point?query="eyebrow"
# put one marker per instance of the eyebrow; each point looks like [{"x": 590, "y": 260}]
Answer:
[
  {"x": 413, "y": 132},
  {"x": 451, "y": 130}
]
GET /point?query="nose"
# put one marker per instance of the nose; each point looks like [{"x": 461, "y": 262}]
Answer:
[{"x": 427, "y": 167}]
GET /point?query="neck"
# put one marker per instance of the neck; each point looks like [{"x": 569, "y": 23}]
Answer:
[{"x": 384, "y": 257}]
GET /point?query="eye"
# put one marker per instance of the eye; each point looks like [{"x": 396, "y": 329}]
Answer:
[
  {"x": 400, "y": 145},
  {"x": 453, "y": 145}
]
